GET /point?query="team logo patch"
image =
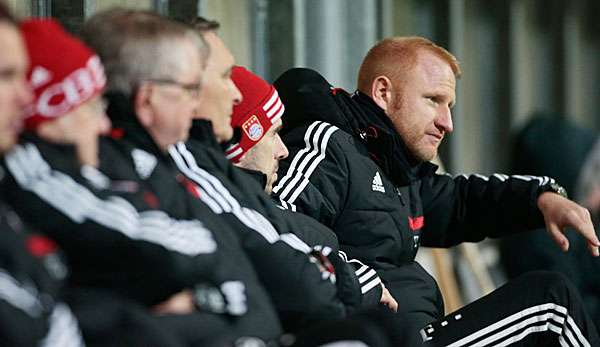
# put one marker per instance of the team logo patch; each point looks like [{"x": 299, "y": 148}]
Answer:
[{"x": 253, "y": 128}]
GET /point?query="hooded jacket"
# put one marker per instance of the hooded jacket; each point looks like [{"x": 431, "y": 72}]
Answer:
[{"x": 349, "y": 169}]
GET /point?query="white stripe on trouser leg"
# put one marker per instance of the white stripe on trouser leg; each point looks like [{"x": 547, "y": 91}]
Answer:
[
  {"x": 512, "y": 323},
  {"x": 492, "y": 340}
]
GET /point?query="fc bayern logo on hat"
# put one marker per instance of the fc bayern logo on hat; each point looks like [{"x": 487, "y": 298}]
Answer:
[{"x": 253, "y": 128}]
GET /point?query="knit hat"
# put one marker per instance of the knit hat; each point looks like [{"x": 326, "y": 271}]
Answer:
[
  {"x": 63, "y": 72},
  {"x": 256, "y": 114}
]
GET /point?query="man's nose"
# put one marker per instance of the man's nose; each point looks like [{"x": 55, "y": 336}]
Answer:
[
  {"x": 282, "y": 151},
  {"x": 237, "y": 95},
  {"x": 444, "y": 120}
]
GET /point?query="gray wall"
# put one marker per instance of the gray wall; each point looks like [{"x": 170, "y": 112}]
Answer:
[{"x": 518, "y": 57}]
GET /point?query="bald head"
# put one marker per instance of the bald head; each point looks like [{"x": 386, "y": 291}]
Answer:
[{"x": 394, "y": 57}]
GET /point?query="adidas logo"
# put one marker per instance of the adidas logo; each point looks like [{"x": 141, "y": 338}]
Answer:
[
  {"x": 377, "y": 185},
  {"x": 144, "y": 162}
]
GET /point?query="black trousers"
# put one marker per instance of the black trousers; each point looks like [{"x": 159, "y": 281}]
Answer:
[
  {"x": 373, "y": 328},
  {"x": 536, "y": 309}
]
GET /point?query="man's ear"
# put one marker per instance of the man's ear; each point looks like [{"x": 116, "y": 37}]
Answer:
[
  {"x": 381, "y": 92},
  {"x": 142, "y": 103}
]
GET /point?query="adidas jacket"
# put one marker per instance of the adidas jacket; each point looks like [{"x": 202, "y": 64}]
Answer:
[
  {"x": 185, "y": 190},
  {"x": 116, "y": 237},
  {"x": 304, "y": 299},
  {"x": 358, "y": 284},
  {"x": 349, "y": 169},
  {"x": 353, "y": 290}
]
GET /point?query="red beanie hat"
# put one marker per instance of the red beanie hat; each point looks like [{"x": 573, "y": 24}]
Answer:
[
  {"x": 255, "y": 115},
  {"x": 63, "y": 72}
]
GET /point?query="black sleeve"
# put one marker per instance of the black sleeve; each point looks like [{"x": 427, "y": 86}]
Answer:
[
  {"x": 298, "y": 288},
  {"x": 471, "y": 208},
  {"x": 353, "y": 278}
]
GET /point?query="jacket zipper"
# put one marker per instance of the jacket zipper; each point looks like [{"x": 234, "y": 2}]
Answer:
[{"x": 400, "y": 196}]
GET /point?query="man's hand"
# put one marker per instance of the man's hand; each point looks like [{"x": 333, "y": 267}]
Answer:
[
  {"x": 560, "y": 213},
  {"x": 180, "y": 303},
  {"x": 387, "y": 299}
]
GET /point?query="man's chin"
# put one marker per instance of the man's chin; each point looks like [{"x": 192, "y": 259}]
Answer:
[{"x": 426, "y": 155}]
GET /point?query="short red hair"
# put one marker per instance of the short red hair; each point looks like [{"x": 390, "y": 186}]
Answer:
[{"x": 394, "y": 56}]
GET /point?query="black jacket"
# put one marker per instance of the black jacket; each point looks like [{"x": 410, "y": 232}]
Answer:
[
  {"x": 306, "y": 298},
  {"x": 356, "y": 282},
  {"x": 116, "y": 237},
  {"x": 168, "y": 190},
  {"x": 242, "y": 184},
  {"x": 349, "y": 169},
  {"x": 31, "y": 288}
]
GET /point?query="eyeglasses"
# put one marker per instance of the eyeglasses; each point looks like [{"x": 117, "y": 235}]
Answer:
[{"x": 193, "y": 89}]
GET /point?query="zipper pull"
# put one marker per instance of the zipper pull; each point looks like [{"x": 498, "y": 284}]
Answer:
[{"x": 400, "y": 196}]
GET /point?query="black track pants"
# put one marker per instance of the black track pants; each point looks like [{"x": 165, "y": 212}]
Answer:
[{"x": 536, "y": 309}]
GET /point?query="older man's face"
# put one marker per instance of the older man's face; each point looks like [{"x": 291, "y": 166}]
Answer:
[
  {"x": 175, "y": 104},
  {"x": 14, "y": 90}
]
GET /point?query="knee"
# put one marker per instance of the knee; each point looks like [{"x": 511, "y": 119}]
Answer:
[{"x": 549, "y": 281}]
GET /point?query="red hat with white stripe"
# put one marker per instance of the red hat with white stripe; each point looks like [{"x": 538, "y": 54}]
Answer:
[
  {"x": 63, "y": 72},
  {"x": 256, "y": 114}
]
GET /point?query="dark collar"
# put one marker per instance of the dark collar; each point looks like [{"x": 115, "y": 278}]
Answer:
[
  {"x": 202, "y": 132},
  {"x": 385, "y": 146},
  {"x": 258, "y": 176}
]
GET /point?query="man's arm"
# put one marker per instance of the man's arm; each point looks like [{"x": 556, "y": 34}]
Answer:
[
  {"x": 471, "y": 208},
  {"x": 101, "y": 227}
]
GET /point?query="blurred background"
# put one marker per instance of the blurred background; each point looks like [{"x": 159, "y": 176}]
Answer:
[
  {"x": 531, "y": 71},
  {"x": 519, "y": 57}
]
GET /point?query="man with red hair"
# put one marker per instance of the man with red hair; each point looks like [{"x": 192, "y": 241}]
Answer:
[{"x": 359, "y": 163}]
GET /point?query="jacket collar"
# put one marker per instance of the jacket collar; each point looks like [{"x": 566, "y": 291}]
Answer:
[
  {"x": 202, "y": 132},
  {"x": 125, "y": 124},
  {"x": 385, "y": 145},
  {"x": 256, "y": 175}
]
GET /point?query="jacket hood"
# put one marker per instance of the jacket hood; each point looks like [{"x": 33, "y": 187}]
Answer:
[{"x": 308, "y": 97}]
